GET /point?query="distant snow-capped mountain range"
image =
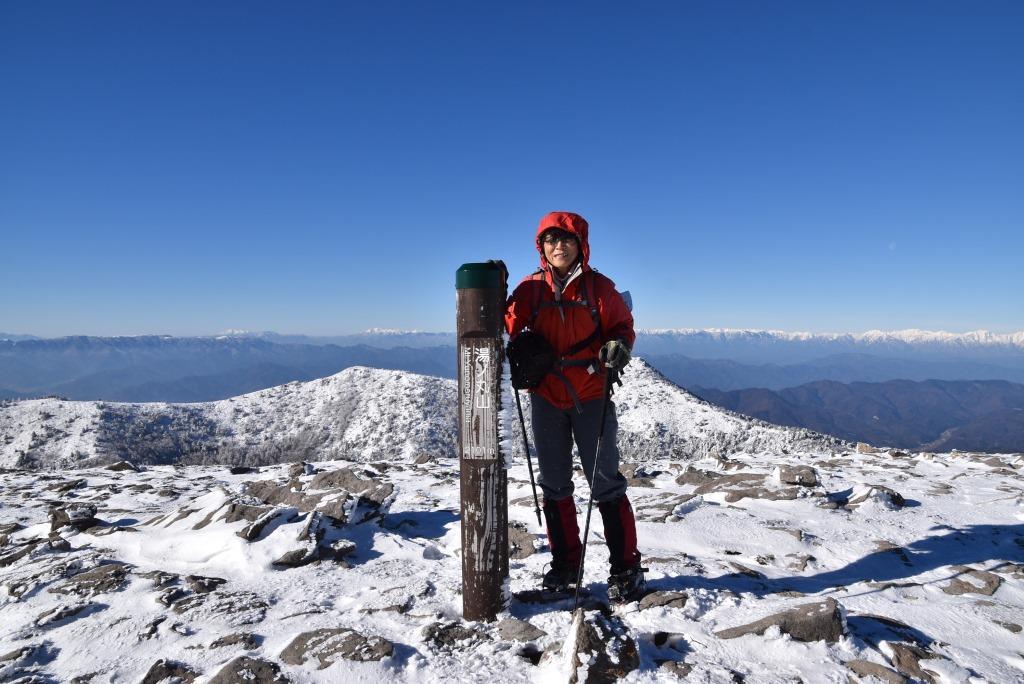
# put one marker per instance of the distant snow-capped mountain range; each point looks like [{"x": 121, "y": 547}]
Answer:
[{"x": 359, "y": 414}]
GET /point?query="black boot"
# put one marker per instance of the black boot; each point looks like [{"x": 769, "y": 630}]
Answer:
[{"x": 628, "y": 585}]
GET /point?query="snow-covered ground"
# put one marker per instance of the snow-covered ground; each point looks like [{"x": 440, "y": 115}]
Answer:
[{"x": 930, "y": 581}]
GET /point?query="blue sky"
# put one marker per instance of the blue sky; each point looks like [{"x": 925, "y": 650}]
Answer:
[{"x": 324, "y": 167}]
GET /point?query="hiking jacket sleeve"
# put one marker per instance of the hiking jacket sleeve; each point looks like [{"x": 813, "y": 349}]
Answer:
[{"x": 519, "y": 308}]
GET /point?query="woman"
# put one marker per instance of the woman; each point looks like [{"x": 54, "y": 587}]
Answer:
[{"x": 585, "y": 320}]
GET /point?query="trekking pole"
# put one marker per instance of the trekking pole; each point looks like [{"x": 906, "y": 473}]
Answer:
[
  {"x": 529, "y": 463},
  {"x": 593, "y": 475}
]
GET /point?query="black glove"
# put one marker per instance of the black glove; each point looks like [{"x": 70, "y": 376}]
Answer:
[{"x": 614, "y": 354}]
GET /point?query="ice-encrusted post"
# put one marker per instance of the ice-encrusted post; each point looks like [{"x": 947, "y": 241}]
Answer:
[{"x": 480, "y": 305}]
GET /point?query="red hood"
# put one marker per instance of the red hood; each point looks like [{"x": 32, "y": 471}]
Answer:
[{"x": 574, "y": 223}]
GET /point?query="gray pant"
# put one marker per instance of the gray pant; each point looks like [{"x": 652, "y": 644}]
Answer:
[{"x": 554, "y": 430}]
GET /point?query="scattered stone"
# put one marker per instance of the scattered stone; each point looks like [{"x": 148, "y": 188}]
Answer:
[
  {"x": 249, "y": 670},
  {"x": 77, "y": 515},
  {"x": 805, "y": 476},
  {"x": 663, "y": 599},
  {"x": 171, "y": 596},
  {"x": 740, "y": 569},
  {"x": 906, "y": 658},
  {"x": 799, "y": 562},
  {"x": 257, "y": 516},
  {"x": 298, "y": 469},
  {"x": 865, "y": 448},
  {"x": 866, "y": 668},
  {"x": 886, "y": 496},
  {"x": 1010, "y": 626},
  {"x": 169, "y": 669},
  {"x": 20, "y": 552},
  {"x": 511, "y": 629},
  {"x": 451, "y": 635},
  {"x": 329, "y": 645},
  {"x": 237, "y": 608},
  {"x": 149, "y": 631},
  {"x": 66, "y": 486},
  {"x": 423, "y": 459},
  {"x": 603, "y": 644},
  {"x": 786, "y": 494},
  {"x": 203, "y": 585},
  {"x": 11, "y": 527},
  {"x": 520, "y": 541},
  {"x": 60, "y": 613},
  {"x": 676, "y": 668},
  {"x": 160, "y": 578},
  {"x": 123, "y": 466},
  {"x": 809, "y": 622},
  {"x": 102, "y": 579},
  {"x": 242, "y": 470},
  {"x": 986, "y": 585},
  {"x": 246, "y": 640}
]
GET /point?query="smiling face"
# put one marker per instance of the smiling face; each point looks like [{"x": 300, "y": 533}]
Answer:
[{"x": 561, "y": 249}]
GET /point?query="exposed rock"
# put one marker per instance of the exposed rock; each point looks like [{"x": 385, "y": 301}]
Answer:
[
  {"x": 246, "y": 640},
  {"x": 785, "y": 494},
  {"x": 309, "y": 537},
  {"x": 170, "y": 596},
  {"x": 249, "y": 670},
  {"x": 19, "y": 552},
  {"x": 809, "y": 622},
  {"x": 663, "y": 599},
  {"x": 906, "y": 658},
  {"x": 805, "y": 476},
  {"x": 330, "y": 645},
  {"x": 237, "y": 608},
  {"x": 696, "y": 476},
  {"x": 331, "y": 503},
  {"x": 367, "y": 489},
  {"x": 99, "y": 580},
  {"x": 884, "y": 495},
  {"x": 203, "y": 585},
  {"x": 520, "y": 541},
  {"x": 866, "y": 668},
  {"x": 77, "y": 515},
  {"x": 740, "y": 569},
  {"x": 604, "y": 644},
  {"x": 725, "y": 482},
  {"x": 865, "y": 448},
  {"x": 242, "y": 470},
  {"x": 123, "y": 466},
  {"x": 10, "y": 528},
  {"x": 423, "y": 459},
  {"x": 452, "y": 634},
  {"x": 160, "y": 578},
  {"x": 149, "y": 631},
  {"x": 985, "y": 583},
  {"x": 67, "y": 485},
  {"x": 511, "y": 629},
  {"x": 1010, "y": 626},
  {"x": 60, "y": 613},
  {"x": 169, "y": 669},
  {"x": 298, "y": 469},
  {"x": 676, "y": 668}
]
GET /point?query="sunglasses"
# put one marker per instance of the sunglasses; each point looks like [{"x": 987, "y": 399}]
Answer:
[{"x": 553, "y": 238}]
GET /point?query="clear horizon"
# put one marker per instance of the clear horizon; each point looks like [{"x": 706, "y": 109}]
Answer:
[{"x": 325, "y": 167}]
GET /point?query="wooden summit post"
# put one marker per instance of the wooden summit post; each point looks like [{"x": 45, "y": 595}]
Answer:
[{"x": 480, "y": 306}]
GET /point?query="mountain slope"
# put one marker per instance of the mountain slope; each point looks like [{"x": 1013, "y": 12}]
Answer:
[
  {"x": 355, "y": 415},
  {"x": 900, "y": 413}
]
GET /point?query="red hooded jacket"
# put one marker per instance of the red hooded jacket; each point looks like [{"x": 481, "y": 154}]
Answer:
[{"x": 578, "y": 323}]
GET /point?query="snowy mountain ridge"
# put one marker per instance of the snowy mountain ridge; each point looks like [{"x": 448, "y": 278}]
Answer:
[
  {"x": 359, "y": 414},
  {"x": 909, "y": 336}
]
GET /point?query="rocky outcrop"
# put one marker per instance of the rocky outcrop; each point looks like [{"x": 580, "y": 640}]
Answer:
[
  {"x": 602, "y": 643},
  {"x": 327, "y": 646},
  {"x": 249, "y": 670},
  {"x": 164, "y": 669},
  {"x": 810, "y": 622}
]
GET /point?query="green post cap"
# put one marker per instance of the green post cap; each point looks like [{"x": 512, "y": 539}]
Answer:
[{"x": 486, "y": 275}]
